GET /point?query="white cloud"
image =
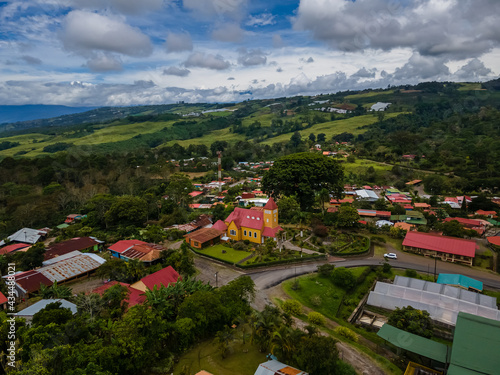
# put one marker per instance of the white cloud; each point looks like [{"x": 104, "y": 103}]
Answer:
[
  {"x": 277, "y": 41},
  {"x": 473, "y": 70},
  {"x": 263, "y": 19},
  {"x": 251, "y": 57},
  {"x": 229, "y": 32},
  {"x": 123, "y": 6},
  {"x": 208, "y": 9},
  {"x": 448, "y": 28},
  {"x": 365, "y": 73},
  {"x": 175, "y": 71},
  {"x": 85, "y": 32},
  {"x": 208, "y": 61},
  {"x": 178, "y": 42},
  {"x": 423, "y": 68},
  {"x": 104, "y": 62}
]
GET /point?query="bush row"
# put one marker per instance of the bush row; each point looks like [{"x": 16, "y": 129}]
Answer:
[
  {"x": 365, "y": 249},
  {"x": 281, "y": 261}
]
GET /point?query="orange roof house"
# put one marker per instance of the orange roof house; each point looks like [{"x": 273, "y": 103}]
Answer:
[
  {"x": 253, "y": 225},
  {"x": 404, "y": 226}
]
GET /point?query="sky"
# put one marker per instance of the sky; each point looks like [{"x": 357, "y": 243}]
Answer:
[{"x": 134, "y": 52}]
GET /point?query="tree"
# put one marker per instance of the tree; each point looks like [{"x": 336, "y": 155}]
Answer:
[
  {"x": 323, "y": 197},
  {"x": 317, "y": 355},
  {"x": 312, "y": 137},
  {"x": 453, "y": 228},
  {"x": 222, "y": 340},
  {"x": 321, "y": 138},
  {"x": 288, "y": 207},
  {"x": 34, "y": 257},
  {"x": 127, "y": 210},
  {"x": 179, "y": 188},
  {"x": 304, "y": 174},
  {"x": 55, "y": 291},
  {"x": 343, "y": 278},
  {"x": 295, "y": 140},
  {"x": 412, "y": 320},
  {"x": 316, "y": 318},
  {"x": 52, "y": 313},
  {"x": 347, "y": 216}
]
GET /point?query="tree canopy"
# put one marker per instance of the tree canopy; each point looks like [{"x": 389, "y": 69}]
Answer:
[{"x": 304, "y": 174}]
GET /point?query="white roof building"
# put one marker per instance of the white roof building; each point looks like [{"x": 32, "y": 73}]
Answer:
[
  {"x": 274, "y": 367},
  {"x": 379, "y": 106},
  {"x": 367, "y": 195},
  {"x": 30, "y": 311}
]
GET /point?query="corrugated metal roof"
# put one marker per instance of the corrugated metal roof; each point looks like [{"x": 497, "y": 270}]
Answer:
[
  {"x": 36, "y": 307},
  {"x": 414, "y": 343},
  {"x": 461, "y": 280},
  {"x": 476, "y": 345},
  {"x": 71, "y": 267},
  {"x": 27, "y": 235},
  {"x": 443, "y": 244}
]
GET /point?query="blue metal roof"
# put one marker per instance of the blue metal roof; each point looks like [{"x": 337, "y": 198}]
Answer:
[{"x": 459, "y": 280}]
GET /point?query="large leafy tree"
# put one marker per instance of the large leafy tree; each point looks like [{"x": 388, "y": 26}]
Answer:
[
  {"x": 412, "y": 320},
  {"x": 127, "y": 210},
  {"x": 304, "y": 174}
]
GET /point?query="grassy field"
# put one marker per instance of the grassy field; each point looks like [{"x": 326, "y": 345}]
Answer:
[
  {"x": 369, "y": 94},
  {"x": 34, "y": 143},
  {"x": 242, "y": 360},
  {"x": 209, "y": 138},
  {"x": 319, "y": 293},
  {"x": 360, "y": 166},
  {"x": 231, "y": 255},
  {"x": 351, "y": 125}
]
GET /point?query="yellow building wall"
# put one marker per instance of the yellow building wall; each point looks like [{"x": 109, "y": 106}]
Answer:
[
  {"x": 257, "y": 239},
  {"x": 271, "y": 218},
  {"x": 233, "y": 226}
]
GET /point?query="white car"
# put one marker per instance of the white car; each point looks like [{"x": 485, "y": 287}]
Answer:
[{"x": 390, "y": 256}]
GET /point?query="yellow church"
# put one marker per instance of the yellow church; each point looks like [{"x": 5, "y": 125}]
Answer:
[{"x": 254, "y": 224}]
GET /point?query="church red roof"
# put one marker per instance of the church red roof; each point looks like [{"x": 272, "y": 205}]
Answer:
[
  {"x": 220, "y": 225},
  {"x": 271, "y": 204},
  {"x": 243, "y": 217},
  {"x": 271, "y": 232}
]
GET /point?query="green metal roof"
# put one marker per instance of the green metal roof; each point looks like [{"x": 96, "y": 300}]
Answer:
[
  {"x": 62, "y": 226},
  {"x": 414, "y": 343},
  {"x": 476, "y": 346},
  {"x": 460, "y": 280}
]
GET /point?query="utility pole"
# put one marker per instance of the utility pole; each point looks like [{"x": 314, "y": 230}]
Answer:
[
  {"x": 219, "y": 168},
  {"x": 216, "y": 281}
]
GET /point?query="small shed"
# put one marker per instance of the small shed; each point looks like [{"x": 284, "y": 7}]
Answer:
[{"x": 203, "y": 237}]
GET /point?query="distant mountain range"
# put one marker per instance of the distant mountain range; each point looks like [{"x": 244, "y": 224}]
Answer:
[{"x": 16, "y": 113}]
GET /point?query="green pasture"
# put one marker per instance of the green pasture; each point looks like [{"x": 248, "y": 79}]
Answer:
[
  {"x": 351, "y": 125},
  {"x": 360, "y": 166},
  {"x": 368, "y": 94}
]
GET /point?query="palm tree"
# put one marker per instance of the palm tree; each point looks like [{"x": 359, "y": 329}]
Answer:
[
  {"x": 323, "y": 197},
  {"x": 222, "y": 339},
  {"x": 135, "y": 269}
]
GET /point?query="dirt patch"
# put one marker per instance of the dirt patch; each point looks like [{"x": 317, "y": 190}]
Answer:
[{"x": 85, "y": 285}]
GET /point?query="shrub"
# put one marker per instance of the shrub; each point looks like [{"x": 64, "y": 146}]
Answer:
[
  {"x": 320, "y": 230},
  {"x": 239, "y": 246},
  {"x": 386, "y": 268},
  {"x": 326, "y": 269},
  {"x": 347, "y": 333},
  {"x": 343, "y": 278},
  {"x": 315, "y": 300},
  {"x": 316, "y": 318},
  {"x": 292, "y": 307},
  {"x": 410, "y": 273},
  {"x": 378, "y": 239},
  {"x": 247, "y": 242}
]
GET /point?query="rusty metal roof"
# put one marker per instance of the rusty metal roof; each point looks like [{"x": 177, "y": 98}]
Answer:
[{"x": 68, "y": 268}]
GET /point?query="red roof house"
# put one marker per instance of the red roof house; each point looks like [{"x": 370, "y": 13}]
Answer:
[
  {"x": 163, "y": 277},
  {"x": 123, "y": 245},
  {"x": 494, "y": 240},
  {"x": 29, "y": 282},
  {"x": 447, "y": 248},
  {"x": 75, "y": 244},
  {"x": 14, "y": 247},
  {"x": 220, "y": 225},
  {"x": 135, "y": 296}
]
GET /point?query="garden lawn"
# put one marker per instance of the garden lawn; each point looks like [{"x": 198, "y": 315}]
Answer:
[
  {"x": 330, "y": 295},
  {"x": 242, "y": 360},
  {"x": 231, "y": 255}
]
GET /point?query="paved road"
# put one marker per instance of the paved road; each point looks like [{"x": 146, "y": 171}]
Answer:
[{"x": 269, "y": 278}]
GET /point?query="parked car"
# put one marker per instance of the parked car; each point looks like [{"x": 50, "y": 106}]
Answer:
[{"x": 390, "y": 256}]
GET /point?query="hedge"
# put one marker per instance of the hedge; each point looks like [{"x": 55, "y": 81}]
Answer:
[
  {"x": 355, "y": 252},
  {"x": 281, "y": 261}
]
